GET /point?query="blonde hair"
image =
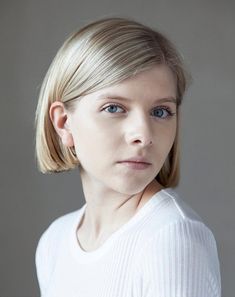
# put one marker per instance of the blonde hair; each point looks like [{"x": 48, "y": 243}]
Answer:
[{"x": 101, "y": 54}]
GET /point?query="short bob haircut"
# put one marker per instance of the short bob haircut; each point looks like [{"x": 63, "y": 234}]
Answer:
[{"x": 101, "y": 54}]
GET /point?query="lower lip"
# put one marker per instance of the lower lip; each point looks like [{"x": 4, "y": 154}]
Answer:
[{"x": 136, "y": 165}]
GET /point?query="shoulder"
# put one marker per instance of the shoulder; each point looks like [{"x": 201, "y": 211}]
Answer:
[
  {"x": 168, "y": 209},
  {"x": 177, "y": 207},
  {"x": 181, "y": 247},
  {"x": 184, "y": 222},
  {"x": 182, "y": 228},
  {"x": 185, "y": 233},
  {"x": 48, "y": 245},
  {"x": 183, "y": 250},
  {"x": 57, "y": 228},
  {"x": 181, "y": 232}
]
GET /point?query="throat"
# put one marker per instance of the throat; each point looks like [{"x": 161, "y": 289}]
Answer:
[{"x": 89, "y": 245}]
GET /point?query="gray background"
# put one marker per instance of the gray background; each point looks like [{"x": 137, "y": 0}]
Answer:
[{"x": 31, "y": 32}]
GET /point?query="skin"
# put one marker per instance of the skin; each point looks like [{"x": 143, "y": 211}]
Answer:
[{"x": 136, "y": 127}]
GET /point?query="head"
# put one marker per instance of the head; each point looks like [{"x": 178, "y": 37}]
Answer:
[{"x": 109, "y": 54}]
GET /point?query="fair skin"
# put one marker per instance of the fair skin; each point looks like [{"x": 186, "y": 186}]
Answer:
[{"x": 103, "y": 135}]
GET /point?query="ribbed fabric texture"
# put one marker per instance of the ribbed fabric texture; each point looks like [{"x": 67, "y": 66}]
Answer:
[
  {"x": 165, "y": 250},
  {"x": 180, "y": 261}
]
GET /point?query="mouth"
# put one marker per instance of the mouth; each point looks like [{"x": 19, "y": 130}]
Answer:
[
  {"x": 135, "y": 165},
  {"x": 136, "y": 160}
]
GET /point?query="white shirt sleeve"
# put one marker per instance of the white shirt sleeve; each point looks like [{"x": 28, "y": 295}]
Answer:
[
  {"x": 44, "y": 262},
  {"x": 180, "y": 261}
]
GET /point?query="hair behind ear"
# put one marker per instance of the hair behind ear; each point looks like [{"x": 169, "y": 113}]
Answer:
[{"x": 52, "y": 155}]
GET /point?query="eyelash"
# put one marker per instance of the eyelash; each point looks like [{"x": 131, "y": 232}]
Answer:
[{"x": 170, "y": 113}]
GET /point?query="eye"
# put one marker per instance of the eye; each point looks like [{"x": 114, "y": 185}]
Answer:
[
  {"x": 163, "y": 109},
  {"x": 112, "y": 108}
]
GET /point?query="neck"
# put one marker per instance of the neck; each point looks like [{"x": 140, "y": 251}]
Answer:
[{"x": 100, "y": 219}]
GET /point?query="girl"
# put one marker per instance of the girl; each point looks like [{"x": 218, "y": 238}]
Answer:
[{"x": 110, "y": 106}]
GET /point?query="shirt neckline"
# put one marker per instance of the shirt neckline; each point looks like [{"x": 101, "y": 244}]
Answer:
[{"x": 89, "y": 256}]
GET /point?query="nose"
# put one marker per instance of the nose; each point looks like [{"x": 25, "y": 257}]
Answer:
[{"x": 139, "y": 132}]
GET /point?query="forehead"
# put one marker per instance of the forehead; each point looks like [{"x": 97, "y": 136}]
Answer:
[
  {"x": 155, "y": 85},
  {"x": 159, "y": 81}
]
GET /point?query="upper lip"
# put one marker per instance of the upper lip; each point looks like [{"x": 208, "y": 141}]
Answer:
[{"x": 136, "y": 159}]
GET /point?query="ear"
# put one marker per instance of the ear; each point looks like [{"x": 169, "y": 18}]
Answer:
[{"x": 59, "y": 118}]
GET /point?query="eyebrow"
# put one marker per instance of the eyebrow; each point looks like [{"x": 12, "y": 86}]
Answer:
[{"x": 160, "y": 100}]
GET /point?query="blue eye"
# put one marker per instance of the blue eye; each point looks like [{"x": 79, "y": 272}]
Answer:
[
  {"x": 160, "y": 110},
  {"x": 166, "y": 109},
  {"x": 112, "y": 109}
]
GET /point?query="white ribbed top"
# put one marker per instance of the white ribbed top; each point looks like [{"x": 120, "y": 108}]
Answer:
[{"x": 164, "y": 250}]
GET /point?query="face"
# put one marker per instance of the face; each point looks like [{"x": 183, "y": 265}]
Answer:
[{"x": 122, "y": 121}]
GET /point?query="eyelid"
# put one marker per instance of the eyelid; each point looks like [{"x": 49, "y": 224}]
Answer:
[
  {"x": 113, "y": 103},
  {"x": 168, "y": 109},
  {"x": 120, "y": 105}
]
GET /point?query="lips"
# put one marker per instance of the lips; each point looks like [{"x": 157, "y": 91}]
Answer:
[{"x": 136, "y": 160}]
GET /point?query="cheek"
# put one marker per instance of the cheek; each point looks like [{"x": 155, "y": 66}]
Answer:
[
  {"x": 166, "y": 141},
  {"x": 94, "y": 139}
]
